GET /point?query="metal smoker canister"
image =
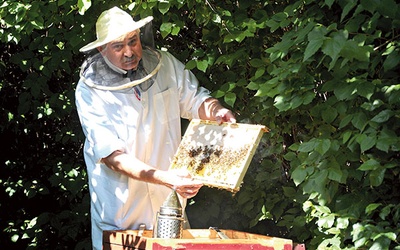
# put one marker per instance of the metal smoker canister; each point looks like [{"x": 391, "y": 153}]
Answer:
[{"x": 169, "y": 221}]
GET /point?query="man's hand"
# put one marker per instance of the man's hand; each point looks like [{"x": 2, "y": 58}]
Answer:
[
  {"x": 183, "y": 183},
  {"x": 224, "y": 115},
  {"x": 212, "y": 110}
]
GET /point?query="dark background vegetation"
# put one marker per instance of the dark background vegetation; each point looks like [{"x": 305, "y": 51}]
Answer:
[{"x": 323, "y": 75}]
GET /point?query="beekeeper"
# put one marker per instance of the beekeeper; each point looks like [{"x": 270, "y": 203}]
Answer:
[{"x": 130, "y": 99}]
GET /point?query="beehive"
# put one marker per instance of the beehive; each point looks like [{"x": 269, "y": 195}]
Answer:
[
  {"x": 218, "y": 155},
  {"x": 195, "y": 239}
]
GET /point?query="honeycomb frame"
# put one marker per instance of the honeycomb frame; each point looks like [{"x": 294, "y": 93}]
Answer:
[{"x": 218, "y": 154}]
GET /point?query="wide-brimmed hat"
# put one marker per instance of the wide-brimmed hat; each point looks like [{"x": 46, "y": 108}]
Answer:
[{"x": 112, "y": 24}]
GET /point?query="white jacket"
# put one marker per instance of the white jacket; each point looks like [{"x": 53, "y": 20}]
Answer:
[{"x": 145, "y": 124}]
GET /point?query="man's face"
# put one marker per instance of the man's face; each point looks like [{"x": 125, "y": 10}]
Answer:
[{"x": 125, "y": 52}]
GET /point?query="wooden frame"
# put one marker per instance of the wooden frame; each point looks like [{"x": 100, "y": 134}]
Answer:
[
  {"x": 193, "y": 239},
  {"x": 218, "y": 155}
]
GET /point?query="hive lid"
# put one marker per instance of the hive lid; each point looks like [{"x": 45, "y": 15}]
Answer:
[{"x": 218, "y": 155}]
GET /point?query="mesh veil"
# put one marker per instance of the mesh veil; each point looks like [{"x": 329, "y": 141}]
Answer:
[{"x": 96, "y": 73}]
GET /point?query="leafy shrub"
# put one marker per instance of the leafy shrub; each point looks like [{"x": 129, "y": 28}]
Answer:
[{"x": 323, "y": 75}]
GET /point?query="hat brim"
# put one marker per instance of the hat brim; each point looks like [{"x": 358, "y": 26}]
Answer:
[{"x": 98, "y": 43}]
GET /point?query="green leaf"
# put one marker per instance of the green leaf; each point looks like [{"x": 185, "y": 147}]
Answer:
[
  {"x": 383, "y": 116},
  {"x": 360, "y": 242},
  {"x": 359, "y": 121},
  {"x": 259, "y": 72},
  {"x": 387, "y": 8},
  {"x": 369, "y": 165},
  {"x": 386, "y": 139},
  {"x": 326, "y": 221},
  {"x": 163, "y": 7},
  {"x": 352, "y": 50},
  {"x": 391, "y": 61},
  {"x": 350, "y": 4},
  {"x": 21, "y": 13},
  {"x": 252, "y": 86},
  {"x": 202, "y": 65},
  {"x": 256, "y": 63},
  {"x": 272, "y": 24},
  {"x": 323, "y": 209},
  {"x": 329, "y": 114},
  {"x": 390, "y": 235},
  {"x": 333, "y": 46},
  {"x": 376, "y": 176},
  {"x": 335, "y": 173},
  {"x": 280, "y": 102},
  {"x": 345, "y": 121},
  {"x": 289, "y": 191},
  {"x": 370, "y": 5},
  {"x": 323, "y": 146},
  {"x": 175, "y": 30},
  {"x": 329, "y": 3},
  {"x": 372, "y": 207},
  {"x": 298, "y": 175},
  {"x": 346, "y": 136},
  {"x": 219, "y": 93},
  {"x": 295, "y": 102},
  {"x": 307, "y": 97},
  {"x": 84, "y": 5},
  {"x": 191, "y": 64},
  {"x": 308, "y": 146},
  {"x": 342, "y": 223},
  {"x": 345, "y": 91},
  {"x": 316, "y": 38},
  {"x": 384, "y": 212},
  {"x": 166, "y": 29},
  {"x": 280, "y": 16},
  {"x": 380, "y": 243},
  {"x": 366, "y": 141},
  {"x": 316, "y": 183},
  {"x": 354, "y": 23},
  {"x": 230, "y": 99},
  {"x": 14, "y": 238},
  {"x": 366, "y": 89}
]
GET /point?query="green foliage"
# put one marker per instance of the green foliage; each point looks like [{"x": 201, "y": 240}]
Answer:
[
  {"x": 44, "y": 191},
  {"x": 322, "y": 75}
]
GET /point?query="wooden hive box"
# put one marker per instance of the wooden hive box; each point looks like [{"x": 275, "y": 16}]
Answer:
[
  {"x": 218, "y": 155},
  {"x": 194, "y": 239}
]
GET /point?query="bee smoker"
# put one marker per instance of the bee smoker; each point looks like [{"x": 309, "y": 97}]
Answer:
[{"x": 169, "y": 220}]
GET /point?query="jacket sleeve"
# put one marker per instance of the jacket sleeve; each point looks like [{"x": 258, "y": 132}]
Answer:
[
  {"x": 101, "y": 138},
  {"x": 191, "y": 95}
]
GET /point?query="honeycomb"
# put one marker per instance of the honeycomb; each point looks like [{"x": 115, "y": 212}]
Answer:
[{"x": 218, "y": 155}]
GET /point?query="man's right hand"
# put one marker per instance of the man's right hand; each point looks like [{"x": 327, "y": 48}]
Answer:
[{"x": 184, "y": 184}]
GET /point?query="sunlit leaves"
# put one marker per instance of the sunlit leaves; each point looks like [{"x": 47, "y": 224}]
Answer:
[
  {"x": 362, "y": 233},
  {"x": 84, "y": 5},
  {"x": 20, "y": 18},
  {"x": 169, "y": 28}
]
